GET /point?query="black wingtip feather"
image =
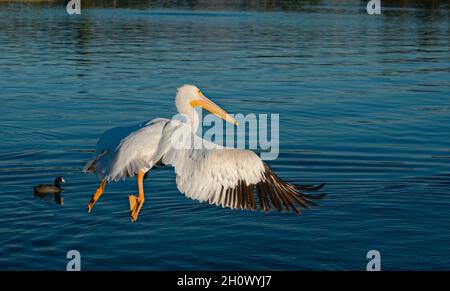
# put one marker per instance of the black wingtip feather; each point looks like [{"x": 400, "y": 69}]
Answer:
[
  {"x": 314, "y": 197},
  {"x": 309, "y": 187},
  {"x": 271, "y": 193}
]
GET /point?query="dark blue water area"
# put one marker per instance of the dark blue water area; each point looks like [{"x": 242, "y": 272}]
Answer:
[{"x": 363, "y": 102}]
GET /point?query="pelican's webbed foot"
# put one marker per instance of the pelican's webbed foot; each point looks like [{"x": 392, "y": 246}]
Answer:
[{"x": 135, "y": 206}]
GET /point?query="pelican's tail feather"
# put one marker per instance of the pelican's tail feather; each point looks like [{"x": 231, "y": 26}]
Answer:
[{"x": 90, "y": 167}]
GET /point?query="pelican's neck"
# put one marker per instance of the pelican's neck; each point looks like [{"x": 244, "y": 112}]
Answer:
[
  {"x": 192, "y": 116},
  {"x": 194, "y": 120}
]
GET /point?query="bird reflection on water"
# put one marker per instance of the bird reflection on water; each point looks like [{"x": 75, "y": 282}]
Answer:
[{"x": 56, "y": 197}]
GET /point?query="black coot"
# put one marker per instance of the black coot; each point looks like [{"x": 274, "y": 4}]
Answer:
[{"x": 48, "y": 189}]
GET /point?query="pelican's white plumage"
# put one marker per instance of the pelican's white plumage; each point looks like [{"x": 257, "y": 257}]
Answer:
[
  {"x": 205, "y": 171},
  {"x": 203, "y": 168},
  {"x": 124, "y": 151}
]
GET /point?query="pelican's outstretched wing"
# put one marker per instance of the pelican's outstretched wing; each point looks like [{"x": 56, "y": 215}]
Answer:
[
  {"x": 233, "y": 178},
  {"x": 123, "y": 151}
]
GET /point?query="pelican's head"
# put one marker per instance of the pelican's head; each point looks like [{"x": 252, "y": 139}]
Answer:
[{"x": 189, "y": 97}]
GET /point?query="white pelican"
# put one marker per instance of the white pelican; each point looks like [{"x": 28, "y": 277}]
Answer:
[{"x": 223, "y": 176}]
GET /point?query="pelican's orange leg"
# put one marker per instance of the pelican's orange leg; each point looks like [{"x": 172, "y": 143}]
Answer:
[
  {"x": 136, "y": 202},
  {"x": 97, "y": 195}
]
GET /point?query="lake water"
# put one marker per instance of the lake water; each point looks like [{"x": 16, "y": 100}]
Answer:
[{"x": 364, "y": 104}]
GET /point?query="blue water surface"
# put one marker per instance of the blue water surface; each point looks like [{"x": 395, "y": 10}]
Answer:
[{"x": 364, "y": 104}]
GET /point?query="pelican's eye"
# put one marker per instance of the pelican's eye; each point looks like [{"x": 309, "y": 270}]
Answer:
[{"x": 199, "y": 92}]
